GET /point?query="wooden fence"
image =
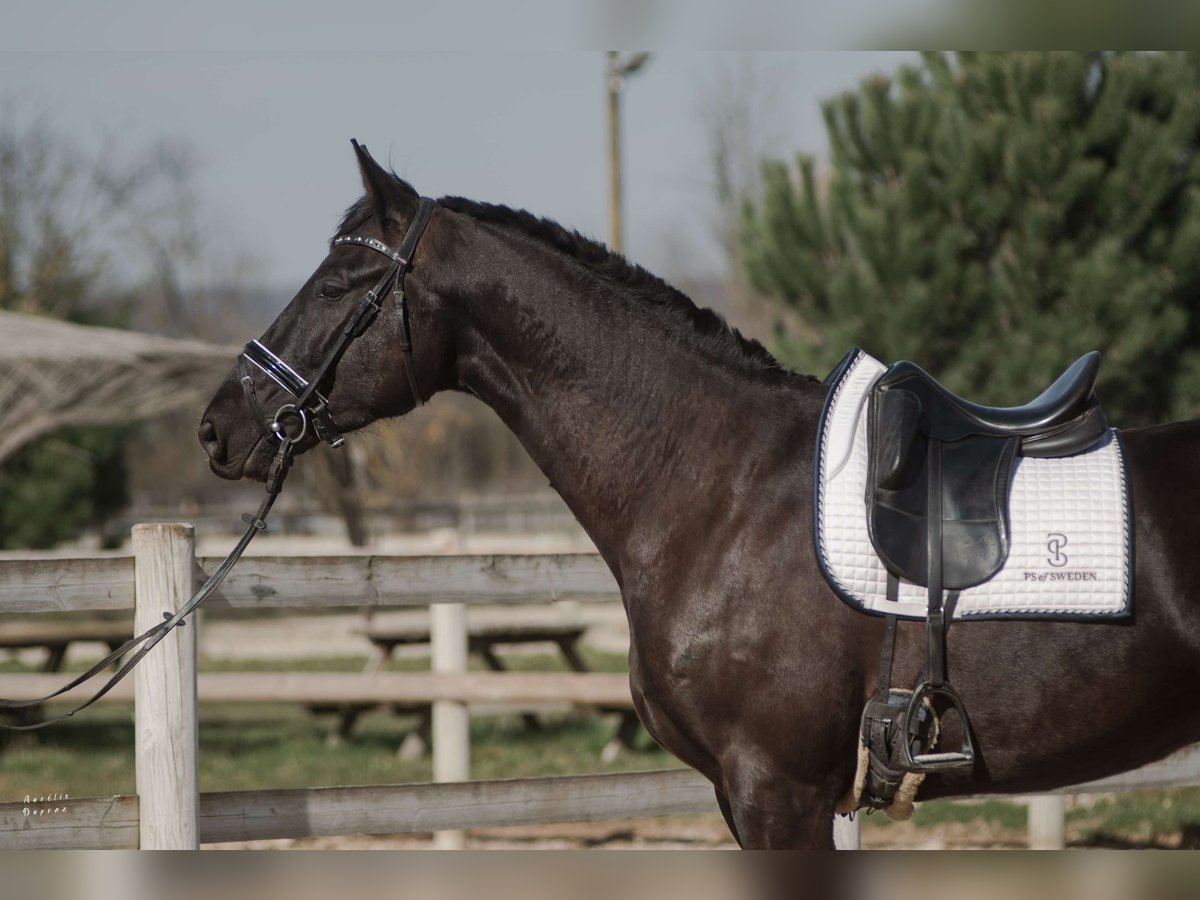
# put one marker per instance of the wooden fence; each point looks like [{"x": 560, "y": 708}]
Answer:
[{"x": 168, "y": 810}]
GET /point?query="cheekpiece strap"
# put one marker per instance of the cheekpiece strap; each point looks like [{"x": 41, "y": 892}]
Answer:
[
  {"x": 402, "y": 260},
  {"x": 409, "y": 245}
]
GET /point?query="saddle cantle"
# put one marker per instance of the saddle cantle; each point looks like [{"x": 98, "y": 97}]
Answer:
[{"x": 918, "y": 431}]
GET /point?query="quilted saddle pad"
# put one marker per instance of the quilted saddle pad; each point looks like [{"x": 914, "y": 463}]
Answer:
[{"x": 1071, "y": 544}]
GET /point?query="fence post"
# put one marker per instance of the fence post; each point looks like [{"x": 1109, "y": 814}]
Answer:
[
  {"x": 451, "y": 721},
  {"x": 847, "y": 832},
  {"x": 1047, "y": 822},
  {"x": 164, "y": 690}
]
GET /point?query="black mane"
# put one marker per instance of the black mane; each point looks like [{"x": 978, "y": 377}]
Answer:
[
  {"x": 716, "y": 337},
  {"x": 355, "y": 217}
]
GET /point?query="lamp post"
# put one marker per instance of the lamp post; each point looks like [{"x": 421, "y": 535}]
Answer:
[{"x": 620, "y": 66}]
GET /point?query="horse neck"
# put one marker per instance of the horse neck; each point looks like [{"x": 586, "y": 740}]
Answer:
[{"x": 623, "y": 417}]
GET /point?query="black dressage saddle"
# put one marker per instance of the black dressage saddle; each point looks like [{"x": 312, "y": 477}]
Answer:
[
  {"x": 920, "y": 435},
  {"x": 938, "y": 482}
]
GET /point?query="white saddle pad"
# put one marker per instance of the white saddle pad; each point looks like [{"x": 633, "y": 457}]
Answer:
[{"x": 1071, "y": 540}]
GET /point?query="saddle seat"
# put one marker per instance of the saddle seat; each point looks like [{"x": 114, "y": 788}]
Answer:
[{"x": 1063, "y": 420}]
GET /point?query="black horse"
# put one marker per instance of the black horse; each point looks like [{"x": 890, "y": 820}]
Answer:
[{"x": 686, "y": 452}]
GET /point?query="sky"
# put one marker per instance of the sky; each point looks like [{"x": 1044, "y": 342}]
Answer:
[{"x": 270, "y": 130}]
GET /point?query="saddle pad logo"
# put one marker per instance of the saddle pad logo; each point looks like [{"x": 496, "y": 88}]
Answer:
[{"x": 1054, "y": 546}]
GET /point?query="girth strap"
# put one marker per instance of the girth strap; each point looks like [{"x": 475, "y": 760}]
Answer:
[
  {"x": 935, "y": 688},
  {"x": 933, "y": 554}
]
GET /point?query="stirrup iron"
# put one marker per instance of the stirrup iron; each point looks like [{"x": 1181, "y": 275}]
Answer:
[{"x": 922, "y": 759}]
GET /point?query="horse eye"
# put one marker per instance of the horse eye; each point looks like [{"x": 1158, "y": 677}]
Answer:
[{"x": 330, "y": 290}]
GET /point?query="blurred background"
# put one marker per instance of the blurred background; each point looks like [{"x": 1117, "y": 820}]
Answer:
[
  {"x": 1033, "y": 205},
  {"x": 190, "y": 195},
  {"x": 991, "y": 216}
]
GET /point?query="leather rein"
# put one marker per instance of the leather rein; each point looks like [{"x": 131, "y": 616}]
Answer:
[{"x": 307, "y": 406}]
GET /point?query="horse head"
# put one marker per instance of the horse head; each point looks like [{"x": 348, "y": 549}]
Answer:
[{"x": 340, "y": 356}]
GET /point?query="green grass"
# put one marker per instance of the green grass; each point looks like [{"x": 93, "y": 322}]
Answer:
[
  {"x": 247, "y": 747},
  {"x": 1145, "y": 819},
  {"x": 253, "y": 746},
  {"x": 995, "y": 813}
]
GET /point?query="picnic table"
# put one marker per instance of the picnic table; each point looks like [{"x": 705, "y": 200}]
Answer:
[
  {"x": 57, "y": 637},
  {"x": 483, "y": 639}
]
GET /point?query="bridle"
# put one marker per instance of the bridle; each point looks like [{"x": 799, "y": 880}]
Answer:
[
  {"x": 308, "y": 404},
  {"x": 287, "y": 428}
]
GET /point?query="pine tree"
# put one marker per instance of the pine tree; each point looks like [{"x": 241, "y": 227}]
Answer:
[{"x": 992, "y": 217}]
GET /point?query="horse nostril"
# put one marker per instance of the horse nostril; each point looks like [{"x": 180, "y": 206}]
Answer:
[{"x": 208, "y": 437}]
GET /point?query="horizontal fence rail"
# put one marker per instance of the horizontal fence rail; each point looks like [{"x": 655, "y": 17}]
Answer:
[
  {"x": 1180, "y": 769},
  {"x": 112, "y": 823},
  {"x": 584, "y": 689},
  {"x": 258, "y": 582}
]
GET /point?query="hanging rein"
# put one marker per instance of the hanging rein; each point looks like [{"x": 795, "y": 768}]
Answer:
[{"x": 289, "y": 425}]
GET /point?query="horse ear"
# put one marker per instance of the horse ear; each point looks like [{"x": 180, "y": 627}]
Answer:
[{"x": 374, "y": 178}]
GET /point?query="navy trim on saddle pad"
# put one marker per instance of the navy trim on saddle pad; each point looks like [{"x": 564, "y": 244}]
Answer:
[{"x": 833, "y": 381}]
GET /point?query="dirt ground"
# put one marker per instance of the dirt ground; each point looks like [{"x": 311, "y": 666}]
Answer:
[{"x": 679, "y": 832}]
